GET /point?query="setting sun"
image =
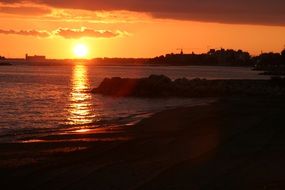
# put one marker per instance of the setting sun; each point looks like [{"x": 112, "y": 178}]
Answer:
[{"x": 80, "y": 50}]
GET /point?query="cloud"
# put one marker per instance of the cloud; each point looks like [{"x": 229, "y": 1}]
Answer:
[
  {"x": 267, "y": 12},
  {"x": 35, "y": 33},
  {"x": 85, "y": 32},
  {"x": 67, "y": 33},
  {"x": 24, "y": 9}
]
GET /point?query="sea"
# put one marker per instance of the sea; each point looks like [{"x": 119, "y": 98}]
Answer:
[{"x": 38, "y": 100}]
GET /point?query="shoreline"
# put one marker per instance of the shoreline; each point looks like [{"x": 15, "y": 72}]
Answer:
[
  {"x": 90, "y": 131},
  {"x": 180, "y": 148}
]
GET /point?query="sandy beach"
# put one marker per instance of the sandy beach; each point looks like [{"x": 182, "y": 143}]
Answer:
[{"x": 231, "y": 144}]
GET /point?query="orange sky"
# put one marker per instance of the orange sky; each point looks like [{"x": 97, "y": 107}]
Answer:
[{"x": 44, "y": 29}]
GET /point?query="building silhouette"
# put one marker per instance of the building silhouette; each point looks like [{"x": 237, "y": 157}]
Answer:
[{"x": 35, "y": 58}]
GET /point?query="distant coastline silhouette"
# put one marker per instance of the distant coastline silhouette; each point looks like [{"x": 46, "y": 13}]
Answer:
[{"x": 272, "y": 63}]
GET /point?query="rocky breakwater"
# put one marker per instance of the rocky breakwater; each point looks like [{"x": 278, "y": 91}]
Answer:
[{"x": 162, "y": 86}]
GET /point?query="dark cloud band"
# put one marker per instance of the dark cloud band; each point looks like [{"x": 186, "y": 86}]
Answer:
[{"x": 267, "y": 12}]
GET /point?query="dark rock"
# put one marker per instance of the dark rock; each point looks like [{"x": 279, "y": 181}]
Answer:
[{"x": 162, "y": 86}]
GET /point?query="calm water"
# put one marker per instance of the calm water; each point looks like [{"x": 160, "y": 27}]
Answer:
[{"x": 40, "y": 100}]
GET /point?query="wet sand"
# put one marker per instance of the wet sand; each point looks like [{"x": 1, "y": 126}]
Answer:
[{"x": 236, "y": 143}]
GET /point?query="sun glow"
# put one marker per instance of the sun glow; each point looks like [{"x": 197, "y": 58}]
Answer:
[{"x": 80, "y": 50}]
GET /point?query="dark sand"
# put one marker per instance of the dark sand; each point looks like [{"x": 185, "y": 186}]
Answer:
[{"x": 232, "y": 144}]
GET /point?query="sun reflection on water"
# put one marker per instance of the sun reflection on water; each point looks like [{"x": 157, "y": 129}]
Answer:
[{"x": 80, "y": 108}]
